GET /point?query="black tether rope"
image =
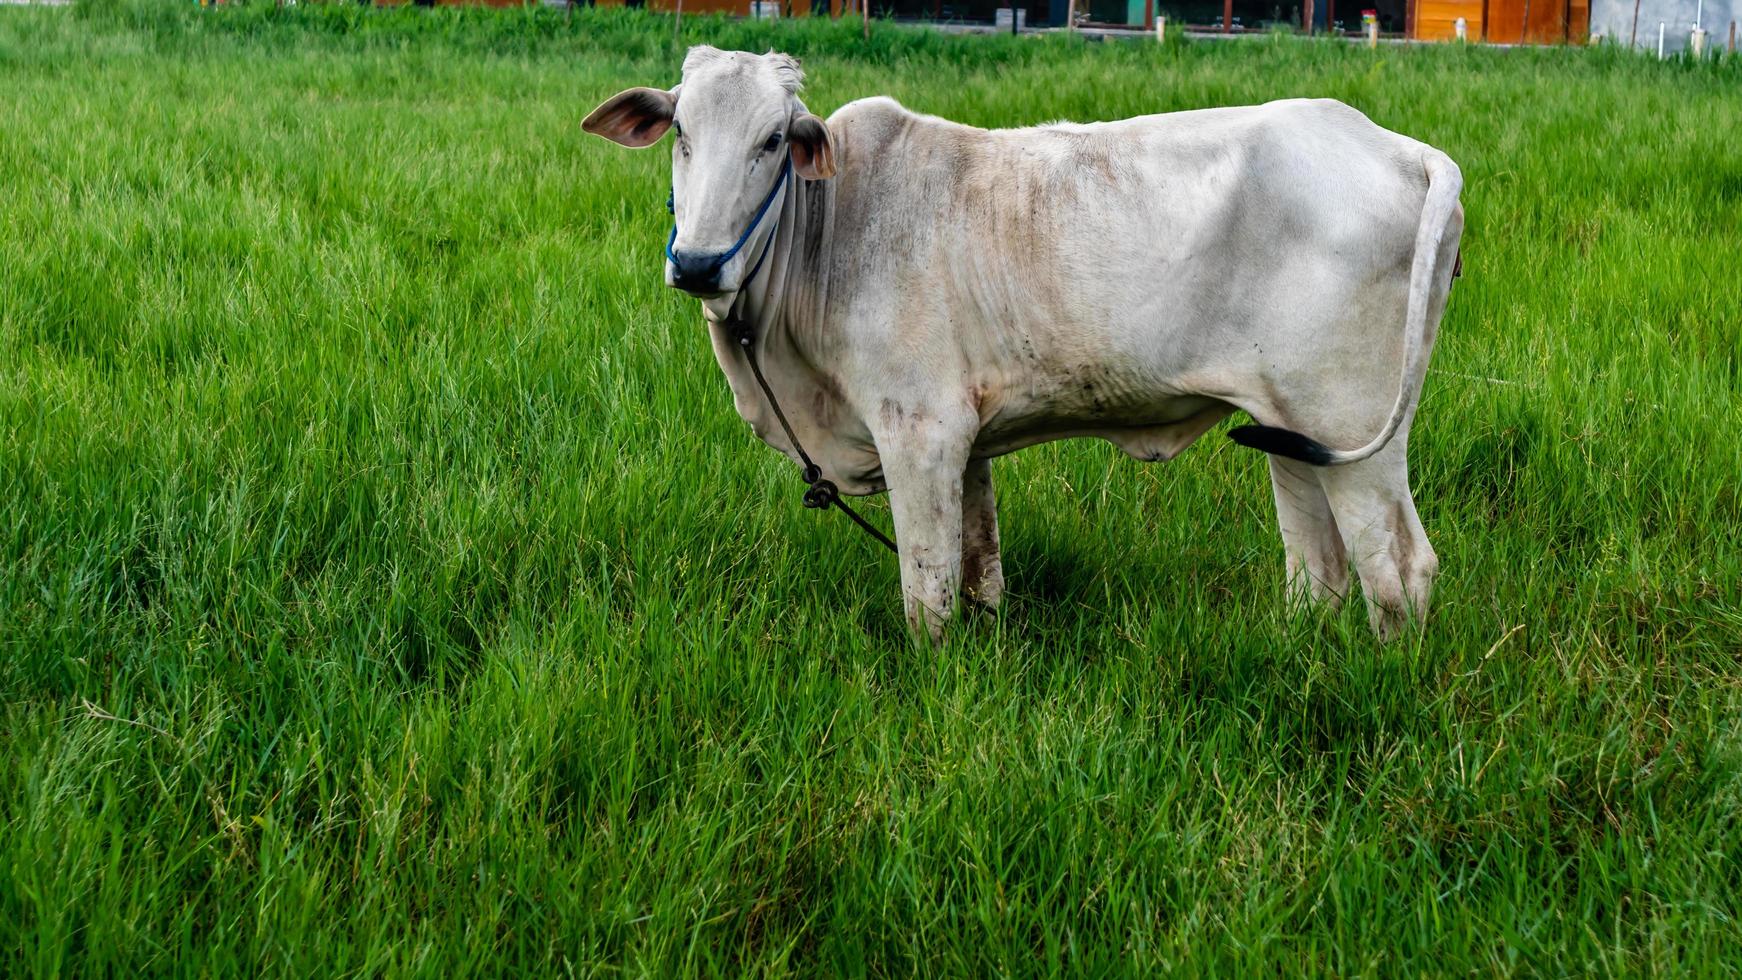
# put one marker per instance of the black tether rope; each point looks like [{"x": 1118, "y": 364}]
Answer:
[{"x": 819, "y": 493}]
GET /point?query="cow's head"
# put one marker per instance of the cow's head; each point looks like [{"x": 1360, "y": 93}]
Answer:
[{"x": 737, "y": 120}]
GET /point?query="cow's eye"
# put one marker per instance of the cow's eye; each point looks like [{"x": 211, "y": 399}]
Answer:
[{"x": 772, "y": 144}]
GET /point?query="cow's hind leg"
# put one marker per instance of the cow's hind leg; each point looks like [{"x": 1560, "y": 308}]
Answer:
[
  {"x": 1318, "y": 567},
  {"x": 1377, "y": 520},
  {"x": 982, "y": 567}
]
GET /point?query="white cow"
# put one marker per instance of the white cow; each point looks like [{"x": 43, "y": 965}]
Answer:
[{"x": 924, "y": 296}]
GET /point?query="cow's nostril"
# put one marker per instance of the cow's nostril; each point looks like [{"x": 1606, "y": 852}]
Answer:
[{"x": 697, "y": 272}]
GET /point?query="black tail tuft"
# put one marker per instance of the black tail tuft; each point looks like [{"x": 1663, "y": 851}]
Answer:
[{"x": 1281, "y": 442}]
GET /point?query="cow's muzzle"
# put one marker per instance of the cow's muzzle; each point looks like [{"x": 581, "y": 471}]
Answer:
[{"x": 697, "y": 273}]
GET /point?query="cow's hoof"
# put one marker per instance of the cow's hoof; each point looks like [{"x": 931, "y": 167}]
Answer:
[
  {"x": 927, "y": 628},
  {"x": 985, "y": 598},
  {"x": 1392, "y": 624},
  {"x": 926, "y": 637}
]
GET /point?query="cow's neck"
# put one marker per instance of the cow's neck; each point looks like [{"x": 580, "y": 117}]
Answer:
[
  {"x": 784, "y": 297},
  {"x": 783, "y": 306}
]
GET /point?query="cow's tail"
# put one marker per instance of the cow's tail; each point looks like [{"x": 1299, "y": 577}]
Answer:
[{"x": 1444, "y": 183}]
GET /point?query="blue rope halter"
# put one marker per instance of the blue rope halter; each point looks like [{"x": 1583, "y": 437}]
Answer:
[{"x": 670, "y": 205}]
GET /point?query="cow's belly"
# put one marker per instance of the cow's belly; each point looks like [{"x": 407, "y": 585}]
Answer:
[
  {"x": 1157, "y": 427},
  {"x": 1160, "y": 430}
]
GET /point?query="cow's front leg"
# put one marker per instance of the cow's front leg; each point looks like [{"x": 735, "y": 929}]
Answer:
[
  {"x": 924, "y": 463},
  {"x": 982, "y": 567}
]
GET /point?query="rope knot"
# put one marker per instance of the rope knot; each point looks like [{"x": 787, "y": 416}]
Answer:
[{"x": 820, "y": 494}]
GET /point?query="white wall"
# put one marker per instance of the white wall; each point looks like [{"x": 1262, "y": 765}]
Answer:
[{"x": 1614, "y": 19}]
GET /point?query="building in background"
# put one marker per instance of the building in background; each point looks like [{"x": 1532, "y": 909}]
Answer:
[
  {"x": 780, "y": 8},
  {"x": 1635, "y": 22},
  {"x": 1492, "y": 21},
  {"x": 1504, "y": 21}
]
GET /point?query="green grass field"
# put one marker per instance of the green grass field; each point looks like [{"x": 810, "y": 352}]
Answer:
[{"x": 388, "y": 588}]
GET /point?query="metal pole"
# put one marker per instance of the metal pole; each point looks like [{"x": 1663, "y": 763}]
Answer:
[
  {"x": 1524, "y": 28},
  {"x": 1071, "y": 16},
  {"x": 1227, "y": 16},
  {"x": 1633, "y": 35}
]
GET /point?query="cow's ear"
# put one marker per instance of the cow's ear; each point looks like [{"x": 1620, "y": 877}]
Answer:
[
  {"x": 813, "y": 149},
  {"x": 637, "y": 117}
]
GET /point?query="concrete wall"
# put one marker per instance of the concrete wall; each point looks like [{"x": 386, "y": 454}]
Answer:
[{"x": 1614, "y": 20}]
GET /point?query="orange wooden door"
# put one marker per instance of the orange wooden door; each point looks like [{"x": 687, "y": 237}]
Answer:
[
  {"x": 1436, "y": 20},
  {"x": 1550, "y": 21}
]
